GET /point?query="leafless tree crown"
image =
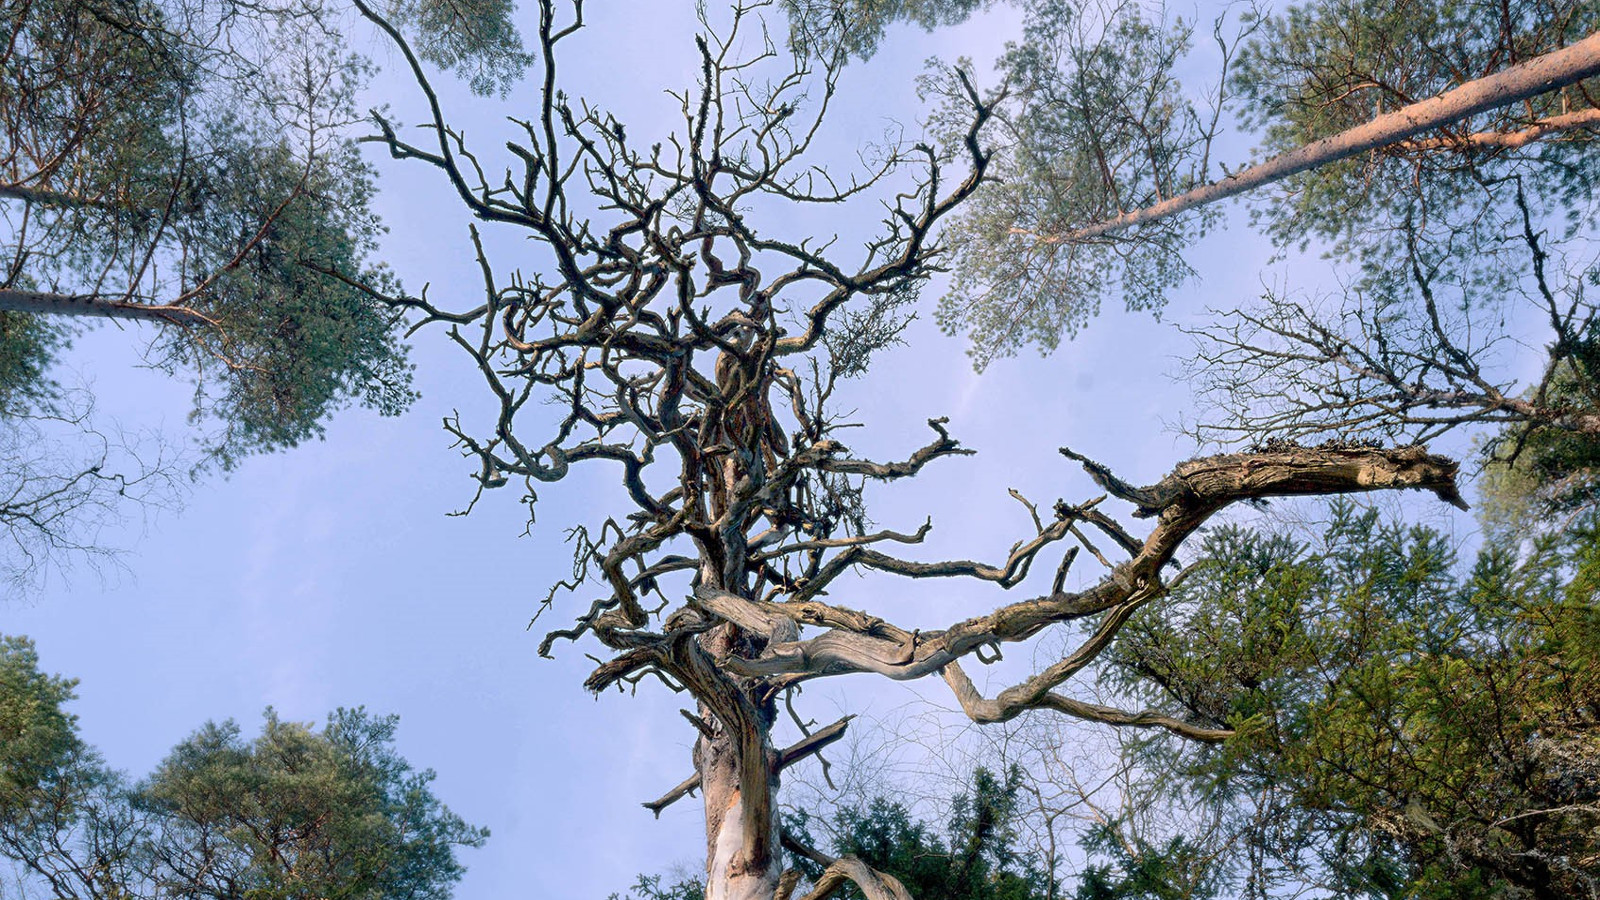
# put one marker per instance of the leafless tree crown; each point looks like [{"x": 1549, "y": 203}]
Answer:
[{"x": 683, "y": 345}]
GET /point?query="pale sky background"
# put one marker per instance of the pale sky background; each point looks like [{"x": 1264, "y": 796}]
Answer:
[{"x": 330, "y": 575}]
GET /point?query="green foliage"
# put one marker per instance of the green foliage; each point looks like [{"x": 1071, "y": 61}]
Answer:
[
  {"x": 1404, "y": 729},
  {"x": 92, "y": 102},
  {"x": 1327, "y": 66},
  {"x": 1540, "y": 477},
  {"x": 162, "y": 153},
  {"x": 297, "y": 813},
  {"x": 80, "y": 153},
  {"x": 295, "y": 340},
  {"x": 648, "y": 887},
  {"x": 1134, "y": 870},
  {"x": 856, "y": 27},
  {"x": 198, "y": 154},
  {"x": 192, "y": 164},
  {"x": 476, "y": 40},
  {"x": 1092, "y": 122},
  {"x": 1439, "y": 208},
  {"x": 38, "y": 739},
  {"x": 28, "y": 348},
  {"x": 293, "y": 813},
  {"x": 975, "y": 858}
]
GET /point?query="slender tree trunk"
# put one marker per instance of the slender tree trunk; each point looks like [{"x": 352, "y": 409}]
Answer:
[
  {"x": 49, "y": 304},
  {"x": 45, "y": 197},
  {"x": 1539, "y": 75}
]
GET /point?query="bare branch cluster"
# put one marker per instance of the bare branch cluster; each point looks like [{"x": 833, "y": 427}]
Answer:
[
  {"x": 53, "y": 505},
  {"x": 1408, "y": 360}
]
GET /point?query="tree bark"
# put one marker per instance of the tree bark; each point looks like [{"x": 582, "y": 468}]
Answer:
[
  {"x": 740, "y": 863},
  {"x": 737, "y": 768},
  {"x": 50, "y": 304},
  {"x": 1539, "y": 75},
  {"x": 45, "y": 197}
]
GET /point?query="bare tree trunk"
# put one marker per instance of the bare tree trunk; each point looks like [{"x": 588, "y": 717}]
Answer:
[
  {"x": 1539, "y": 75},
  {"x": 49, "y": 304},
  {"x": 742, "y": 856}
]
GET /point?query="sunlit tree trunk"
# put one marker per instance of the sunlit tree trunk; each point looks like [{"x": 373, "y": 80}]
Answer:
[
  {"x": 52, "y": 304},
  {"x": 743, "y": 861},
  {"x": 1537, "y": 76}
]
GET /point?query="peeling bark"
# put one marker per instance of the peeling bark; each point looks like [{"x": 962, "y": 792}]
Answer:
[
  {"x": 813, "y": 743},
  {"x": 736, "y": 867}
]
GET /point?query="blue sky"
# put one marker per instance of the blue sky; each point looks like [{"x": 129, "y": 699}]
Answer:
[{"x": 330, "y": 575}]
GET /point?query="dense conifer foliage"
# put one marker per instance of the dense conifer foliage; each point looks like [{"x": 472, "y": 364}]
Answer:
[
  {"x": 295, "y": 812},
  {"x": 1408, "y": 723}
]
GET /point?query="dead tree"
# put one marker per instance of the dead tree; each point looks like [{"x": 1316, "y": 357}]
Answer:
[{"x": 697, "y": 354}]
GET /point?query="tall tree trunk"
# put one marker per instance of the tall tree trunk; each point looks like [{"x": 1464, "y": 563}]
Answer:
[
  {"x": 50, "y": 304},
  {"x": 742, "y": 848},
  {"x": 1539, "y": 75},
  {"x": 738, "y": 771}
]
